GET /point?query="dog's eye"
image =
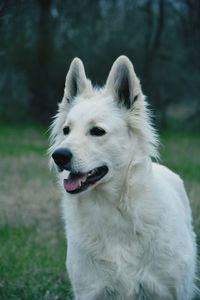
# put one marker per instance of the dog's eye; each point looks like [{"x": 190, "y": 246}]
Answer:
[
  {"x": 66, "y": 130},
  {"x": 97, "y": 131}
]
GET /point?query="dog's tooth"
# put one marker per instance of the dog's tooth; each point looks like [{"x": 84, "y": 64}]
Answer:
[{"x": 92, "y": 172}]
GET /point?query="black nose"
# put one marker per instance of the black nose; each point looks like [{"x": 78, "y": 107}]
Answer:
[{"x": 62, "y": 157}]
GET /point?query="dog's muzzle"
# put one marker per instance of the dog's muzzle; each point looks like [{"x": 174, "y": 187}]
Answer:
[{"x": 76, "y": 181}]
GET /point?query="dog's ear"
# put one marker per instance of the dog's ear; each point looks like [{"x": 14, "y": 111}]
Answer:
[
  {"x": 123, "y": 83},
  {"x": 76, "y": 82}
]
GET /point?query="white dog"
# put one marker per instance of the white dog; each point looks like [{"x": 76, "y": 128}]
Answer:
[{"x": 128, "y": 220}]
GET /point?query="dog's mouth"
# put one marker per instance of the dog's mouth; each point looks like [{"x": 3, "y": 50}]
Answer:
[{"x": 79, "y": 182}]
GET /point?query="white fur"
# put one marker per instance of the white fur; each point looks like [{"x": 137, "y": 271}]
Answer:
[{"x": 130, "y": 236}]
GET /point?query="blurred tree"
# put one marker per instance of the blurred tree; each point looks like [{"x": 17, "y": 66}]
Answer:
[{"x": 41, "y": 75}]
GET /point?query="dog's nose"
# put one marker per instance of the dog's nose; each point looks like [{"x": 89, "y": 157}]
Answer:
[{"x": 62, "y": 157}]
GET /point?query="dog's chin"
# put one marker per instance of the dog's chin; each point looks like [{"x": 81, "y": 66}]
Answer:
[{"x": 80, "y": 182}]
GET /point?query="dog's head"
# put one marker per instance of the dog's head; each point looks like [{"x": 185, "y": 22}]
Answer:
[{"x": 98, "y": 133}]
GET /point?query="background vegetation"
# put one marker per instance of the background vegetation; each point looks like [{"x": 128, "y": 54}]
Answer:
[{"x": 38, "y": 40}]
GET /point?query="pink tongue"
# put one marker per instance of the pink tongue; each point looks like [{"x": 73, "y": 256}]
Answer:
[{"x": 72, "y": 184}]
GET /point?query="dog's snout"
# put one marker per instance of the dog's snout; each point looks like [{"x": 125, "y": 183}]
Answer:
[{"x": 62, "y": 157}]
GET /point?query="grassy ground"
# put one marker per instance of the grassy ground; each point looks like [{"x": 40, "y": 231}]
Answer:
[{"x": 32, "y": 244}]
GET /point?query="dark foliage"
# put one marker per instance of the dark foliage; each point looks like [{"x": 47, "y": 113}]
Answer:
[{"x": 38, "y": 39}]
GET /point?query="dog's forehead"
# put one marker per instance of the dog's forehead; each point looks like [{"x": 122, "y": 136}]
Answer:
[{"x": 94, "y": 108}]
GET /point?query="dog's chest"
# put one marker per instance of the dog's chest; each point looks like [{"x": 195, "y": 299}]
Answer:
[
  {"x": 118, "y": 252},
  {"x": 116, "y": 244},
  {"x": 110, "y": 237}
]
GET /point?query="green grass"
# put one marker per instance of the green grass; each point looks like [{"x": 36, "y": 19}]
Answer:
[
  {"x": 22, "y": 140},
  {"x": 181, "y": 153},
  {"x": 30, "y": 268},
  {"x": 32, "y": 243}
]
